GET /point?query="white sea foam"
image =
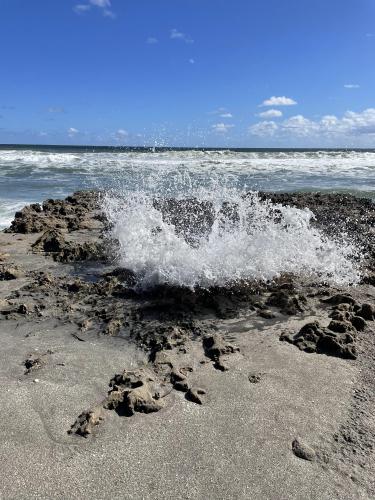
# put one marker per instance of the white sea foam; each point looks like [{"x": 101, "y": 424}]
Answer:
[{"x": 261, "y": 243}]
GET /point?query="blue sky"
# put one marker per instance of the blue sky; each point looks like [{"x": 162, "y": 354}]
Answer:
[{"x": 241, "y": 73}]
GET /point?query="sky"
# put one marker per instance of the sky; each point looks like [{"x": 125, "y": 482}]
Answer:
[{"x": 218, "y": 73}]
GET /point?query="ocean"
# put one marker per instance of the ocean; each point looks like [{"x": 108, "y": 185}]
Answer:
[{"x": 34, "y": 173}]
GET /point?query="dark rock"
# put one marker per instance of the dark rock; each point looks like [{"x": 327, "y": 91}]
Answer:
[
  {"x": 86, "y": 422},
  {"x": 191, "y": 217},
  {"x": 133, "y": 392},
  {"x": 23, "y": 309},
  {"x": 215, "y": 347},
  {"x": 288, "y": 304},
  {"x": 340, "y": 326},
  {"x": 255, "y": 378},
  {"x": 303, "y": 450},
  {"x": 126, "y": 276},
  {"x": 339, "y": 299},
  {"x": 73, "y": 213},
  {"x": 314, "y": 338},
  {"x": 342, "y": 316},
  {"x": 359, "y": 323},
  {"x": 8, "y": 273},
  {"x": 78, "y": 252},
  {"x": 367, "y": 312},
  {"x": 195, "y": 395},
  {"x": 51, "y": 241}
]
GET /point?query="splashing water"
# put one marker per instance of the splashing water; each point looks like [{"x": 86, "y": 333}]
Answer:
[{"x": 218, "y": 236}]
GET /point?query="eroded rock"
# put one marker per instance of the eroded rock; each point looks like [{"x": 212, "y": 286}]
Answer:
[
  {"x": 9, "y": 272},
  {"x": 86, "y": 422},
  {"x": 133, "y": 392},
  {"x": 215, "y": 347},
  {"x": 313, "y": 338}
]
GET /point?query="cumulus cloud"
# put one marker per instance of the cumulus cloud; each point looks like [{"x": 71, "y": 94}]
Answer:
[
  {"x": 152, "y": 40},
  {"x": 264, "y": 129},
  {"x": 351, "y": 86},
  {"x": 222, "y": 128},
  {"x": 72, "y": 131},
  {"x": 226, "y": 115},
  {"x": 104, "y": 5},
  {"x": 279, "y": 101},
  {"x": 351, "y": 124},
  {"x": 178, "y": 35},
  {"x": 271, "y": 113}
]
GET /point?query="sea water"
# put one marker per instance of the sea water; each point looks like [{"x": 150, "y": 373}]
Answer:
[{"x": 259, "y": 245}]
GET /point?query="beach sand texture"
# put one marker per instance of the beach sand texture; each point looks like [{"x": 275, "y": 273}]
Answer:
[{"x": 210, "y": 395}]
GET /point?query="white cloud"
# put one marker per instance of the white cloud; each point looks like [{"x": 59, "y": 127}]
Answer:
[
  {"x": 81, "y": 8},
  {"x": 121, "y": 134},
  {"x": 152, "y": 40},
  {"x": 279, "y": 101},
  {"x": 351, "y": 86},
  {"x": 299, "y": 125},
  {"x": 271, "y": 113},
  {"x": 226, "y": 115},
  {"x": 72, "y": 131},
  {"x": 104, "y": 5},
  {"x": 351, "y": 124},
  {"x": 264, "y": 129},
  {"x": 222, "y": 128},
  {"x": 178, "y": 35}
]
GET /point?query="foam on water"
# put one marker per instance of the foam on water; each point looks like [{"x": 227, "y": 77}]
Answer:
[
  {"x": 256, "y": 241},
  {"x": 32, "y": 174}
]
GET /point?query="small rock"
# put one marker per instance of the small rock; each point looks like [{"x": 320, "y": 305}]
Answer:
[
  {"x": 51, "y": 240},
  {"x": 255, "y": 378},
  {"x": 303, "y": 450},
  {"x": 23, "y": 309},
  {"x": 339, "y": 299},
  {"x": 195, "y": 395},
  {"x": 339, "y": 326},
  {"x": 8, "y": 273},
  {"x": 359, "y": 323},
  {"x": 367, "y": 312},
  {"x": 215, "y": 347}
]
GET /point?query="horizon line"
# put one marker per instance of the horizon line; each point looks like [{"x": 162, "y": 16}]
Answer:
[{"x": 181, "y": 148}]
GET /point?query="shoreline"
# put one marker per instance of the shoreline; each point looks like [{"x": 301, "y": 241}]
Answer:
[{"x": 174, "y": 393}]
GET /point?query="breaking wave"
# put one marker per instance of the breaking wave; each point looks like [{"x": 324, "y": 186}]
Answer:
[{"x": 219, "y": 237}]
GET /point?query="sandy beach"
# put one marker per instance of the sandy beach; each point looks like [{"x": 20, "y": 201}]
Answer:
[{"x": 109, "y": 392}]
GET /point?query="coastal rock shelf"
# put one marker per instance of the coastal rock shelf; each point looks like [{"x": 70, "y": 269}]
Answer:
[{"x": 136, "y": 358}]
